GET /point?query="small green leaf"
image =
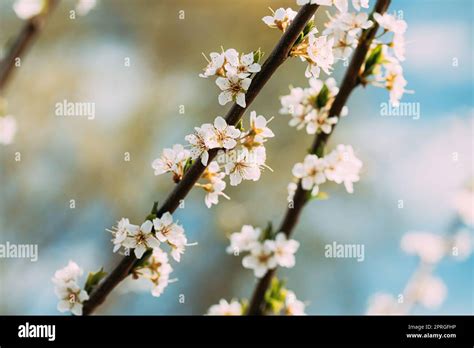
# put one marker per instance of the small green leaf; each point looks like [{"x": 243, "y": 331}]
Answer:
[
  {"x": 267, "y": 232},
  {"x": 188, "y": 165},
  {"x": 258, "y": 55},
  {"x": 240, "y": 126},
  {"x": 373, "y": 60},
  {"x": 93, "y": 279},
  {"x": 275, "y": 295},
  {"x": 307, "y": 29},
  {"x": 309, "y": 26},
  {"x": 323, "y": 97}
]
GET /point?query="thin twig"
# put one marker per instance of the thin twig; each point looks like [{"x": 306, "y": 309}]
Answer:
[
  {"x": 349, "y": 83},
  {"x": 23, "y": 41},
  {"x": 279, "y": 54}
]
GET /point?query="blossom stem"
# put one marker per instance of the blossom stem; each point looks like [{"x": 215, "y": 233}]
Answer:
[
  {"x": 349, "y": 83},
  {"x": 23, "y": 41},
  {"x": 279, "y": 54}
]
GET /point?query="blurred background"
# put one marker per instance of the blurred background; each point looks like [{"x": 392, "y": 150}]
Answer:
[{"x": 137, "y": 111}]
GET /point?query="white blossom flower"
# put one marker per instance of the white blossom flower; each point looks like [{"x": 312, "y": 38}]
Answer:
[
  {"x": 218, "y": 61},
  {"x": 293, "y": 306},
  {"x": 281, "y": 18},
  {"x": 427, "y": 289},
  {"x": 121, "y": 232},
  {"x": 141, "y": 239},
  {"x": 157, "y": 270},
  {"x": 215, "y": 186},
  {"x": 26, "y": 9},
  {"x": 246, "y": 166},
  {"x": 356, "y": 22},
  {"x": 261, "y": 258},
  {"x": 245, "y": 67},
  {"x": 311, "y": 173},
  {"x": 224, "y": 135},
  {"x": 233, "y": 89},
  {"x": 391, "y": 23},
  {"x": 398, "y": 46},
  {"x": 168, "y": 231},
  {"x": 226, "y": 308},
  {"x": 70, "y": 273},
  {"x": 258, "y": 132},
  {"x": 386, "y": 304},
  {"x": 349, "y": 23},
  {"x": 319, "y": 121},
  {"x": 215, "y": 65},
  {"x": 83, "y": 7},
  {"x": 165, "y": 228},
  {"x": 214, "y": 190},
  {"x": 343, "y": 44},
  {"x": 304, "y": 106},
  {"x": 285, "y": 250},
  {"x": 394, "y": 80},
  {"x": 172, "y": 160},
  {"x": 8, "y": 129},
  {"x": 258, "y": 125},
  {"x": 71, "y": 296},
  {"x": 342, "y": 166},
  {"x": 200, "y": 142},
  {"x": 429, "y": 247},
  {"x": 293, "y": 104},
  {"x": 244, "y": 240},
  {"x": 320, "y": 55},
  {"x": 178, "y": 245}
]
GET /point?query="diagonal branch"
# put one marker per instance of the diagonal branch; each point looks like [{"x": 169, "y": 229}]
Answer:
[
  {"x": 349, "y": 83},
  {"x": 279, "y": 54},
  {"x": 23, "y": 41}
]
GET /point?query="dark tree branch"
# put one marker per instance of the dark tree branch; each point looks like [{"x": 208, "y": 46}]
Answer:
[
  {"x": 349, "y": 83},
  {"x": 279, "y": 54},
  {"x": 23, "y": 41}
]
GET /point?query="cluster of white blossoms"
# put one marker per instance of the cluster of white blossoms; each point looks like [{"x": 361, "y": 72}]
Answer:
[
  {"x": 71, "y": 296},
  {"x": 432, "y": 248},
  {"x": 337, "y": 40},
  {"x": 234, "y": 307},
  {"x": 157, "y": 270},
  {"x": 290, "y": 306},
  {"x": 345, "y": 29},
  {"x": 316, "y": 51},
  {"x": 423, "y": 288},
  {"x": 241, "y": 155},
  {"x": 233, "y": 72},
  {"x": 26, "y": 9},
  {"x": 340, "y": 166},
  {"x": 265, "y": 252},
  {"x": 8, "y": 128},
  {"x": 149, "y": 235},
  {"x": 383, "y": 62},
  {"x": 309, "y": 107}
]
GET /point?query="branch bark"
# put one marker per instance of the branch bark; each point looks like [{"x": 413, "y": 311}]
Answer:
[
  {"x": 349, "y": 83},
  {"x": 279, "y": 54},
  {"x": 23, "y": 41}
]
